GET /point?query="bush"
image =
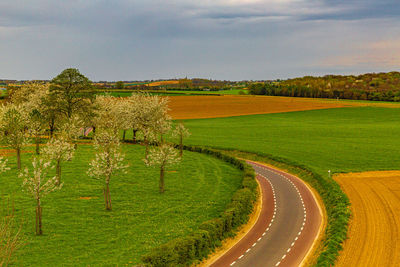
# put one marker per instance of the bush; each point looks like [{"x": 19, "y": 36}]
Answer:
[{"x": 197, "y": 245}]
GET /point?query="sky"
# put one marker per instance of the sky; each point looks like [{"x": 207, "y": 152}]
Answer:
[{"x": 217, "y": 39}]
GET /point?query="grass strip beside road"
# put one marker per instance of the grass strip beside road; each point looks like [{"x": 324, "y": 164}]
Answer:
[{"x": 335, "y": 203}]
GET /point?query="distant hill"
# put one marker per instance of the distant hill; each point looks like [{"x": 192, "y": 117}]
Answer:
[{"x": 370, "y": 86}]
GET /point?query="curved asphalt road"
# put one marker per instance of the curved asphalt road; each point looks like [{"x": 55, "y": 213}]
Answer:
[{"x": 286, "y": 228}]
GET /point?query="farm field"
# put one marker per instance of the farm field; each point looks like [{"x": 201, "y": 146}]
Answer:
[
  {"x": 190, "y": 107},
  {"x": 340, "y": 140},
  {"x": 374, "y": 231},
  {"x": 219, "y": 92},
  {"x": 77, "y": 230}
]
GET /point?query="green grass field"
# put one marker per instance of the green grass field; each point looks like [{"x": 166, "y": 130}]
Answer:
[
  {"x": 340, "y": 140},
  {"x": 79, "y": 232}
]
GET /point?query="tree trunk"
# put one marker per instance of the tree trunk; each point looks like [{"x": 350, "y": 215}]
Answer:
[
  {"x": 146, "y": 150},
  {"x": 134, "y": 135},
  {"x": 161, "y": 139},
  {"x": 94, "y": 130},
  {"x": 58, "y": 171},
  {"x": 19, "y": 158},
  {"x": 161, "y": 185},
  {"x": 123, "y": 135},
  {"x": 38, "y": 218},
  {"x": 37, "y": 141},
  {"x": 107, "y": 197},
  {"x": 181, "y": 146},
  {"x": 51, "y": 126}
]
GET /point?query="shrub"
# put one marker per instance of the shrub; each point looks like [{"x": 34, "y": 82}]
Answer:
[{"x": 197, "y": 245}]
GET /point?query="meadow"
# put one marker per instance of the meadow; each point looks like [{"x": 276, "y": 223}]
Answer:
[
  {"x": 340, "y": 139},
  {"x": 77, "y": 230}
]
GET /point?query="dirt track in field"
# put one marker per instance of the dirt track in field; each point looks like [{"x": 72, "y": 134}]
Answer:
[
  {"x": 191, "y": 107},
  {"x": 374, "y": 232}
]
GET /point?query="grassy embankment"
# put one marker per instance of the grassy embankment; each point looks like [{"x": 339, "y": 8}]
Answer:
[{"x": 78, "y": 230}]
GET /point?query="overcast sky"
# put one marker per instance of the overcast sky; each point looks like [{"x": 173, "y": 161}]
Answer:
[{"x": 218, "y": 39}]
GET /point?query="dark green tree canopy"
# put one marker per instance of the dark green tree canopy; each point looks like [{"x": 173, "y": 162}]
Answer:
[
  {"x": 71, "y": 90},
  {"x": 119, "y": 85}
]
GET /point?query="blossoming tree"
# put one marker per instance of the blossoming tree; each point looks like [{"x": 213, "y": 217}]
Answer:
[
  {"x": 12, "y": 126},
  {"x": 58, "y": 150},
  {"x": 162, "y": 156},
  {"x": 180, "y": 132},
  {"x": 108, "y": 161},
  {"x": 37, "y": 184}
]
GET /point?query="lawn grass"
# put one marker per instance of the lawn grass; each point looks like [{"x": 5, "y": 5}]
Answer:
[
  {"x": 340, "y": 140},
  {"x": 78, "y": 231}
]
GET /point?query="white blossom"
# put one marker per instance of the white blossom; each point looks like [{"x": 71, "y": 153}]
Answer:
[
  {"x": 108, "y": 159},
  {"x": 58, "y": 149},
  {"x": 37, "y": 184},
  {"x": 180, "y": 131},
  {"x": 3, "y": 165},
  {"x": 162, "y": 155},
  {"x": 71, "y": 128}
]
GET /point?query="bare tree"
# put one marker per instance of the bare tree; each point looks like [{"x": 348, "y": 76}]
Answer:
[
  {"x": 107, "y": 162},
  {"x": 38, "y": 185},
  {"x": 180, "y": 132},
  {"x": 10, "y": 237},
  {"x": 58, "y": 150},
  {"x": 162, "y": 156},
  {"x": 10, "y": 233}
]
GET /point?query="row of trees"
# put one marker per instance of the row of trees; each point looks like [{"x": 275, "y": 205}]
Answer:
[
  {"x": 63, "y": 110},
  {"x": 377, "y": 87}
]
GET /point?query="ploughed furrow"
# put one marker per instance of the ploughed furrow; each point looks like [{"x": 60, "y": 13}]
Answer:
[{"x": 373, "y": 237}]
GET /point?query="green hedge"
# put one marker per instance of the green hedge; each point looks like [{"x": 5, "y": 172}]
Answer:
[
  {"x": 335, "y": 200},
  {"x": 197, "y": 245}
]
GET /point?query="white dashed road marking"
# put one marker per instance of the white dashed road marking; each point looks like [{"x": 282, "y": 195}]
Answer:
[{"x": 273, "y": 217}]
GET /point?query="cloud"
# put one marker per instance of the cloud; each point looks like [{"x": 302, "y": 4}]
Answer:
[
  {"x": 226, "y": 39},
  {"x": 384, "y": 54}
]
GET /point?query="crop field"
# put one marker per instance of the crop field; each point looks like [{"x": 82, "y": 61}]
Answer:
[
  {"x": 78, "y": 231},
  {"x": 190, "y": 107},
  {"x": 374, "y": 231},
  {"x": 350, "y": 139},
  {"x": 340, "y": 140}
]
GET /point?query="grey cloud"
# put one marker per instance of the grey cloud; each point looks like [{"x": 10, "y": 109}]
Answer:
[{"x": 138, "y": 39}]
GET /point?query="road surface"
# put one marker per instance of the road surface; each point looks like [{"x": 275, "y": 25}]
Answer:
[{"x": 288, "y": 224}]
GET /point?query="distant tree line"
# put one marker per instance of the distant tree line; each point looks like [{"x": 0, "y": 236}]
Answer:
[{"x": 376, "y": 87}]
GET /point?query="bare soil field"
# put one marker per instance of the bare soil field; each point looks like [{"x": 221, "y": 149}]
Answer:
[
  {"x": 162, "y": 83},
  {"x": 374, "y": 232},
  {"x": 191, "y": 107}
]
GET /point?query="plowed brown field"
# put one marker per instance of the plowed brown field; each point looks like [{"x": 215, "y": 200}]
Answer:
[
  {"x": 190, "y": 107},
  {"x": 374, "y": 232}
]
